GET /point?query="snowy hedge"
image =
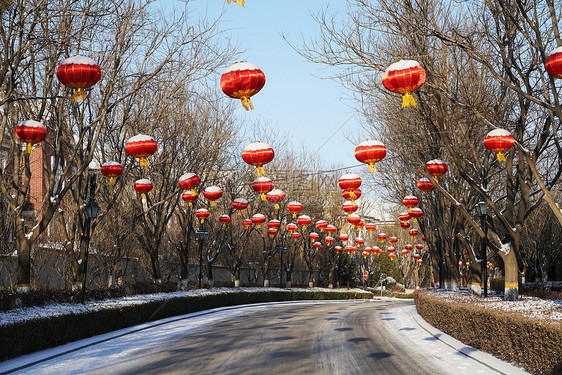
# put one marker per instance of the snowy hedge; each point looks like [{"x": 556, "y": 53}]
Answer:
[{"x": 69, "y": 322}]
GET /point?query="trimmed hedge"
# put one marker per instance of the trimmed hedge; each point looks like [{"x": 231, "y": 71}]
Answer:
[
  {"x": 532, "y": 344},
  {"x": 38, "y": 334}
]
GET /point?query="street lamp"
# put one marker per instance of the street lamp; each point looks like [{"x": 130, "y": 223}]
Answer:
[
  {"x": 202, "y": 236},
  {"x": 440, "y": 261},
  {"x": 91, "y": 211},
  {"x": 481, "y": 211}
]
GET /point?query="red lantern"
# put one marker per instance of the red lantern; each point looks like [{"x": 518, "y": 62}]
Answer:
[
  {"x": 241, "y": 81},
  {"x": 436, "y": 168},
  {"x": 410, "y": 201},
  {"x": 202, "y": 214},
  {"x": 330, "y": 229},
  {"x": 365, "y": 254},
  {"x": 405, "y": 225},
  {"x": 370, "y": 152},
  {"x": 274, "y": 223},
  {"x": 419, "y": 246},
  {"x": 424, "y": 184},
  {"x": 347, "y": 194},
  {"x": 415, "y": 213},
  {"x": 499, "y": 141},
  {"x": 247, "y": 223},
  {"x": 304, "y": 220},
  {"x": 272, "y": 232},
  {"x": 79, "y": 73},
  {"x": 370, "y": 227},
  {"x": 296, "y": 236},
  {"x": 391, "y": 256},
  {"x": 294, "y": 207},
  {"x": 417, "y": 256},
  {"x": 141, "y": 146},
  {"x": 240, "y": 204},
  {"x": 391, "y": 249},
  {"x": 258, "y": 154},
  {"x": 414, "y": 232},
  {"x": 553, "y": 63},
  {"x": 404, "y": 77},
  {"x": 189, "y": 197},
  {"x": 460, "y": 264},
  {"x": 382, "y": 237},
  {"x": 420, "y": 261},
  {"x": 368, "y": 249},
  {"x": 349, "y": 249},
  {"x": 111, "y": 169},
  {"x": 321, "y": 224},
  {"x": 377, "y": 250},
  {"x": 275, "y": 196},
  {"x": 262, "y": 185},
  {"x": 353, "y": 219},
  {"x": 337, "y": 248},
  {"x": 360, "y": 224},
  {"x": 409, "y": 247},
  {"x": 350, "y": 182},
  {"x": 189, "y": 181},
  {"x": 404, "y": 216},
  {"x": 405, "y": 252},
  {"x": 393, "y": 239},
  {"x": 314, "y": 236},
  {"x": 329, "y": 240},
  {"x": 424, "y": 239},
  {"x": 212, "y": 193},
  {"x": 258, "y": 219},
  {"x": 344, "y": 237},
  {"x": 224, "y": 219},
  {"x": 350, "y": 207},
  {"x": 359, "y": 241},
  {"x": 31, "y": 132},
  {"x": 291, "y": 227},
  {"x": 143, "y": 186}
]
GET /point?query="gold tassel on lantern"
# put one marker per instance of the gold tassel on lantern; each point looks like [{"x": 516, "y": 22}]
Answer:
[
  {"x": 372, "y": 168},
  {"x": 29, "y": 148},
  {"x": 143, "y": 162},
  {"x": 112, "y": 180},
  {"x": 260, "y": 171},
  {"x": 79, "y": 96},
  {"x": 247, "y": 103},
  {"x": 213, "y": 203},
  {"x": 263, "y": 197},
  {"x": 501, "y": 157},
  {"x": 239, "y": 212},
  {"x": 276, "y": 206},
  {"x": 408, "y": 100}
]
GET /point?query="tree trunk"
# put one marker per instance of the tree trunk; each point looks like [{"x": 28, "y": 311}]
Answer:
[
  {"x": 511, "y": 288},
  {"x": 23, "y": 276},
  {"x": 236, "y": 275},
  {"x": 310, "y": 278},
  {"x": 209, "y": 272},
  {"x": 155, "y": 264},
  {"x": 476, "y": 278}
]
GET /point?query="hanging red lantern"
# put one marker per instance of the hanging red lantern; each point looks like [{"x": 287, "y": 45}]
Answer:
[
  {"x": 368, "y": 249},
  {"x": 347, "y": 194},
  {"x": 377, "y": 250},
  {"x": 329, "y": 240},
  {"x": 31, "y": 132},
  {"x": 416, "y": 213},
  {"x": 274, "y": 223},
  {"x": 344, "y": 237},
  {"x": 553, "y": 63},
  {"x": 304, "y": 220},
  {"x": 321, "y": 224},
  {"x": 224, "y": 219},
  {"x": 313, "y": 236},
  {"x": 291, "y": 227},
  {"x": 404, "y": 77},
  {"x": 295, "y": 236},
  {"x": 111, "y": 169},
  {"x": 349, "y": 249},
  {"x": 272, "y": 232},
  {"x": 258, "y": 154},
  {"x": 275, "y": 196},
  {"x": 212, "y": 193},
  {"x": 391, "y": 256},
  {"x": 240, "y": 204},
  {"x": 359, "y": 241},
  {"x": 79, "y": 73},
  {"x": 404, "y": 216},
  {"x": 294, "y": 207},
  {"x": 247, "y": 223},
  {"x": 189, "y": 197},
  {"x": 393, "y": 239},
  {"x": 350, "y": 207},
  {"x": 350, "y": 182},
  {"x": 241, "y": 81},
  {"x": 409, "y": 247},
  {"x": 417, "y": 256},
  {"x": 499, "y": 141},
  {"x": 410, "y": 201},
  {"x": 419, "y": 246},
  {"x": 461, "y": 264},
  {"x": 370, "y": 227},
  {"x": 370, "y": 152},
  {"x": 405, "y": 252},
  {"x": 405, "y": 225},
  {"x": 330, "y": 229},
  {"x": 414, "y": 232},
  {"x": 143, "y": 186},
  {"x": 338, "y": 248},
  {"x": 420, "y": 261},
  {"x": 382, "y": 237},
  {"x": 425, "y": 185},
  {"x": 353, "y": 219},
  {"x": 436, "y": 168},
  {"x": 365, "y": 254},
  {"x": 258, "y": 219},
  {"x": 189, "y": 181},
  {"x": 391, "y": 249},
  {"x": 424, "y": 239},
  {"x": 141, "y": 146},
  {"x": 360, "y": 224},
  {"x": 262, "y": 185},
  {"x": 202, "y": 214}
]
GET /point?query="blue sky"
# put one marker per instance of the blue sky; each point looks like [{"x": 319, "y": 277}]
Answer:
[{"x": 305, "y": 108}]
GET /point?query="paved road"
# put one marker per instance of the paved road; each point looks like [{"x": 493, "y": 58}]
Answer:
[{"x": 336, "y": 338}]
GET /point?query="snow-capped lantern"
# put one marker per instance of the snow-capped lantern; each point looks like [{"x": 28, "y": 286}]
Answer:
[
  {"x": 365, "y": 254},
  {"x": 272, "y": 232},
  {"x": 330, "y": 229},
  {"x": 461, "y": 265},
  {"x": 258, "y": 154},
  {"x": 417, "y": 256},
  {"x": 295, "y": 236},
  {"x": 348, "y": 249},
  {"x": 419, "y": 246},
  {"x": 212, "y": 193},
  {"x": 328, "y": 240},
  {"x": 143, "y": 186},
  {"x": 349, "y": 207},
  {"x": 414, "y": 232},
  {"x": 404, "y": 77},
  {"x": 304, "y": 220},
  {"x": 347, "y": 194},
  {"x": 404, "y": 216},
  {"x": 202, "y": 214},
  {"x": 241, "y": 81},
  {"x": 416, "y": 213},
  {"x": 353, "y": 219},
  {"x": 31, "y": 132},
  {"x": 189, "y": 181},
  {"x": 258, "y": 219},
  {"x": 409, "y": 247},
  {"x": 294, "y": 207},
  {"x": 141, "y": 146},
  {"x": 317, "y": 245},
  {"x": 338, "y": 249},
  {"x": 424, "y": 239},
  {"x": 79, "y": 73},
  {"x": 111, "y": 169},
  {"x": 344, "y": 237},
  {"x": 350, "y": 182},
  {"x": 391, "y": 256},
  {"x": 360, "y": 224},
  {"x": 410, "y": 201},
  {"x": 313, "y": 236},
  {"x": 240, "y": 204},
  {"x": 420, "y": 261},
  {"x": 382, "y": 237},
  {"x": 393, "y": 239},
  {"x": 391, "y": 249},
  {"x": 224, "y": 219},
  {"x": 359, "y": 241},
  {"x": 370, "y": 227},
  {"x": 425, "y": 185},
  {"x": 368, "y": 249},
  {"x": 377, "y": 250},
  {"x": 291, "y": 227},
  {"x": 499, "y": 141},
  {"x": 553, "y": 63},
  {"x": 189, "y": 197},
  {"x": 405, "y": 253},
  {"x": 436, "y": 168},
  {"x": 262, "y": 185},
  {"x": 405, "y": 225},
  {"x": 247, "y": 223},
  {"x": 274, "y": 223},
  {"x": 370, "y": 152},
  {"x": 275, "y": 196},
  {"x": 320, "y": 225}
]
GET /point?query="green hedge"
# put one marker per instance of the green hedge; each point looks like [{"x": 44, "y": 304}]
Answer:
[
  {"x": 38, "y": 334},
  {"x": 533, "y": 344}
]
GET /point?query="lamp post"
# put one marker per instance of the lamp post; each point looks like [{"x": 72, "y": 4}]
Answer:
[
  {"x": 441, "y": 260},
  {"x": 90, "y": 213},
  {"x": 481, "y": 211},
  {"x": 202, "y": 235}
]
